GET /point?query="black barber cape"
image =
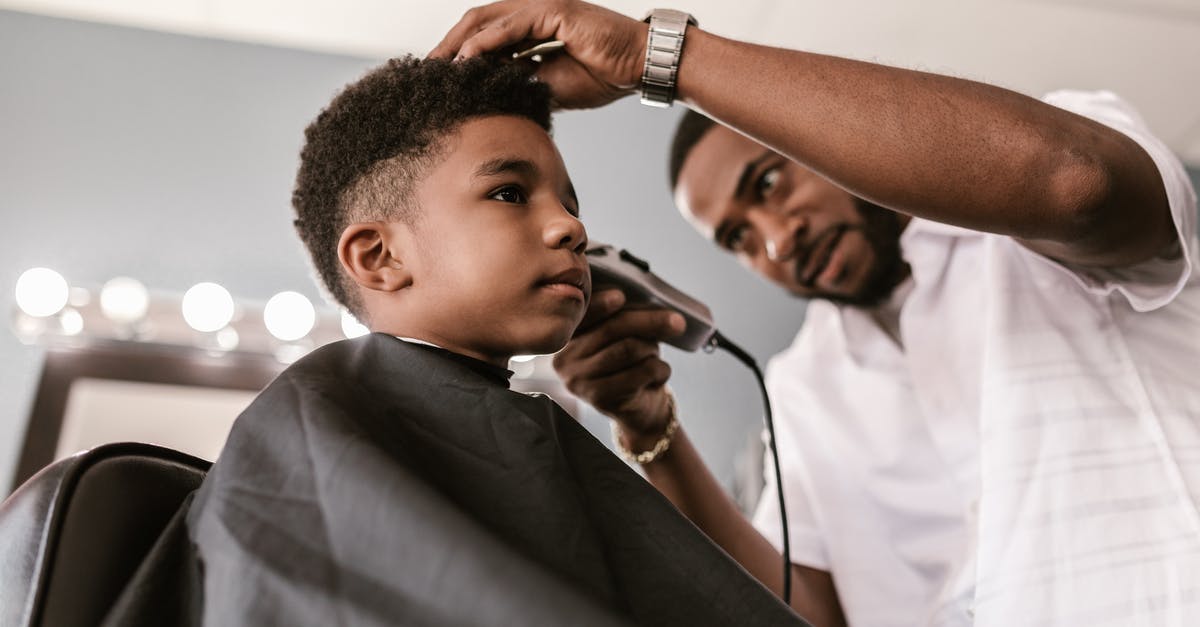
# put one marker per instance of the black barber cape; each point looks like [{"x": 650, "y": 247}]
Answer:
[{"x": 378, "y": 482}]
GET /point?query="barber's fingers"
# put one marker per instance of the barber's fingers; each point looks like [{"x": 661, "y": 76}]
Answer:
[
  {"x": 474, "y": 20},
  {"x": 509, "y": 30},
  {"x": 608, "y": 360},
  {"x": 604, "y": 55},
  {"x": 629, "y": 395},
  {"x": 497, "y": 26},
  {"x": 651, "y": 373},
  {"x": 604, "y": 303},
  {"x": 574, "y": 86},
  {"x": 647, "y": 324}
]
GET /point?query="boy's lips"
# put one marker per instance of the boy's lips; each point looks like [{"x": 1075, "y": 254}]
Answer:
[{"x": 572, "y": 282}]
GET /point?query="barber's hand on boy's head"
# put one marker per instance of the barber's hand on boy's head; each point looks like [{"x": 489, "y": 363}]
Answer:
[
  {"x": 613, "y": 361},
  {"x": 604, "y": 50}
]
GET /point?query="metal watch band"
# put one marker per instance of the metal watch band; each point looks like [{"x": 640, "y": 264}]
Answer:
[{"x": 664, "y": 45}]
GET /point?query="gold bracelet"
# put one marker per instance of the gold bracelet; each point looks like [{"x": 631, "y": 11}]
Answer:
[{"x": 660, "y": 447}]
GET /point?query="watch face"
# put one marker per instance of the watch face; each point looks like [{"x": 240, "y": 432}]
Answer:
[{"x": 672, "y": 15}]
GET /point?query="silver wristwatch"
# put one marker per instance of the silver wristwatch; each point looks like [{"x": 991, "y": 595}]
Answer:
[{"x": 664, "y": 45}]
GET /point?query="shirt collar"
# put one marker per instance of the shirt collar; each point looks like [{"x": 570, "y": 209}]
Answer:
[{"x": 496, "y": 373}]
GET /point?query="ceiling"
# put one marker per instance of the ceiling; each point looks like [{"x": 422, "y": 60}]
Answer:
[{"x": 1146, "y": 50}]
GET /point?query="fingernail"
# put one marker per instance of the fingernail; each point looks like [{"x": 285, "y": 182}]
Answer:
[
  {"x": 614, "y": 298},
  {"x": 677, "y": 323}
]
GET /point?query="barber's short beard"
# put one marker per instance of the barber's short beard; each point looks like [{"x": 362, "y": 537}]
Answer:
[{"x": 881, "y": 227}]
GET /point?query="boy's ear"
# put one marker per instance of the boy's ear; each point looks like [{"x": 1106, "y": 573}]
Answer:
[{"x": 367, "y": 254}]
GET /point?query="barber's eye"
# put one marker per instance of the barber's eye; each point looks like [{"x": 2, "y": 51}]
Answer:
[
  {"x": 767, "y": 181},
  {"x": 509, "y": 193},
  {"x": 735, "y": 239}
]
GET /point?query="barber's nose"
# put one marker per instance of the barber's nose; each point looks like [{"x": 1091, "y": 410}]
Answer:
[
  {"x": 566, "y": 231},
  {"x": 779, "y": 232}
]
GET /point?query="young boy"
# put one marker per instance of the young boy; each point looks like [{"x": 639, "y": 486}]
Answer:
[{"x": 395, "y": 479}]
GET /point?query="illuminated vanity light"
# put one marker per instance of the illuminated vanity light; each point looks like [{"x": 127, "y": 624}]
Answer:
[
  {"x": 207, "y": 307},
  {"x": 289, "y": 353},
  {"x": 42, "y": 292},
  {"x": 28, "y": 328},
  {"x": 124, "y": 300},
  {"x": 351, "y": 327},
  {"x": 79, "y": 297},
  {"x": 228, "y": 339},
  {"x": 213, "y": 323},
  {"x": 71, "y": 322},
  {"x": 289, "y": 316}
]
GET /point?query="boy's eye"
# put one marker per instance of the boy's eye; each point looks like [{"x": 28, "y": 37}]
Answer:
[
  {"x": 766, "y": 182},
  {"x": 509, "y": 193}
]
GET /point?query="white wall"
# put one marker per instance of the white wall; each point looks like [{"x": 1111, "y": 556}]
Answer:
[{"x": 171, "y": 159}]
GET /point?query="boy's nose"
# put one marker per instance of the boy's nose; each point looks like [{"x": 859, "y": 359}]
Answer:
[{"x": 566, "y": 232}]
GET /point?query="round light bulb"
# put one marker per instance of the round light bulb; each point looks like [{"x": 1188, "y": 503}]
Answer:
[
  {"x": 207, "y": 307},
  {"x": 42, "y": 292},
  {"x": 71, "y": 321},
  {"x": 124, "y": 300},
  {"x": 351, "y": 327},
  {"x": 228, "y": 339},
  {"x": 289, "y": 316},
  {"x": 28, "y": 328},
  {"x": 289, "y": 353},
  {"x": 79, "y": 297}
]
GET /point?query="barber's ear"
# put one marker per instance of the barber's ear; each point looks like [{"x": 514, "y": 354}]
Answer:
[{"x": 367, "y": 253}]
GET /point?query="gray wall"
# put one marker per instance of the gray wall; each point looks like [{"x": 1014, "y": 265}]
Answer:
[{"x": 170, "y": 159}]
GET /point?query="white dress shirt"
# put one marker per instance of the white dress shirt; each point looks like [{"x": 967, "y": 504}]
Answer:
[{"x": 1027, "y": 454}]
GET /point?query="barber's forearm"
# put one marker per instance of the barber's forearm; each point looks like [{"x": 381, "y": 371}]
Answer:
[
  {"x": 681, "y": 475},
  {"x": 933, "y": 146}
]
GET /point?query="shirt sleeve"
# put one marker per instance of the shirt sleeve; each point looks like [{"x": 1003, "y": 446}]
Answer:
[
  {"x": 1154, "y": 283},
  {"x": 807, "y": 546}
]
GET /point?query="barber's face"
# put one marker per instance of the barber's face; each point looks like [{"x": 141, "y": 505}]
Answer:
[{"x": 787, "y": 223}]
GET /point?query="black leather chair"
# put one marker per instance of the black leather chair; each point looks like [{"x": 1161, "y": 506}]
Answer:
[{"x": 72, "y": 536}]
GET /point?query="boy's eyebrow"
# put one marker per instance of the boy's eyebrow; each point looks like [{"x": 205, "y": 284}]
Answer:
[{"x": 502, "y": 165}]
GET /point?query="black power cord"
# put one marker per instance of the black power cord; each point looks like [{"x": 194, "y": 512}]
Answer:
[{"x": 720, "y": 341}]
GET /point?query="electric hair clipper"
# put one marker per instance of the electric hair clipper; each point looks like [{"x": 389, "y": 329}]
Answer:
[{"x": 620, "y": 268}]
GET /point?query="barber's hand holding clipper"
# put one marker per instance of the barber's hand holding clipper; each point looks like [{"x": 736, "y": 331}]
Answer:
[
  {"x": 613, "y": 363},
  {"x": 604, "y": 55}
]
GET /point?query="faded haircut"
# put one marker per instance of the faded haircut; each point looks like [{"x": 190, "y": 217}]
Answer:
[{"x": 365, "y": 153}]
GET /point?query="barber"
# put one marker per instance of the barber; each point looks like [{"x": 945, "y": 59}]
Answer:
[{"x": 991, "y": 413}]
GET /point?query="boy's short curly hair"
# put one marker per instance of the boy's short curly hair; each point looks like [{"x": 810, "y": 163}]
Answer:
[{"x": 365, "y": 151}]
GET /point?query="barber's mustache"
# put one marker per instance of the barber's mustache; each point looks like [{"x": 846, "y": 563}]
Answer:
[{"x": 825, "y": 239}]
